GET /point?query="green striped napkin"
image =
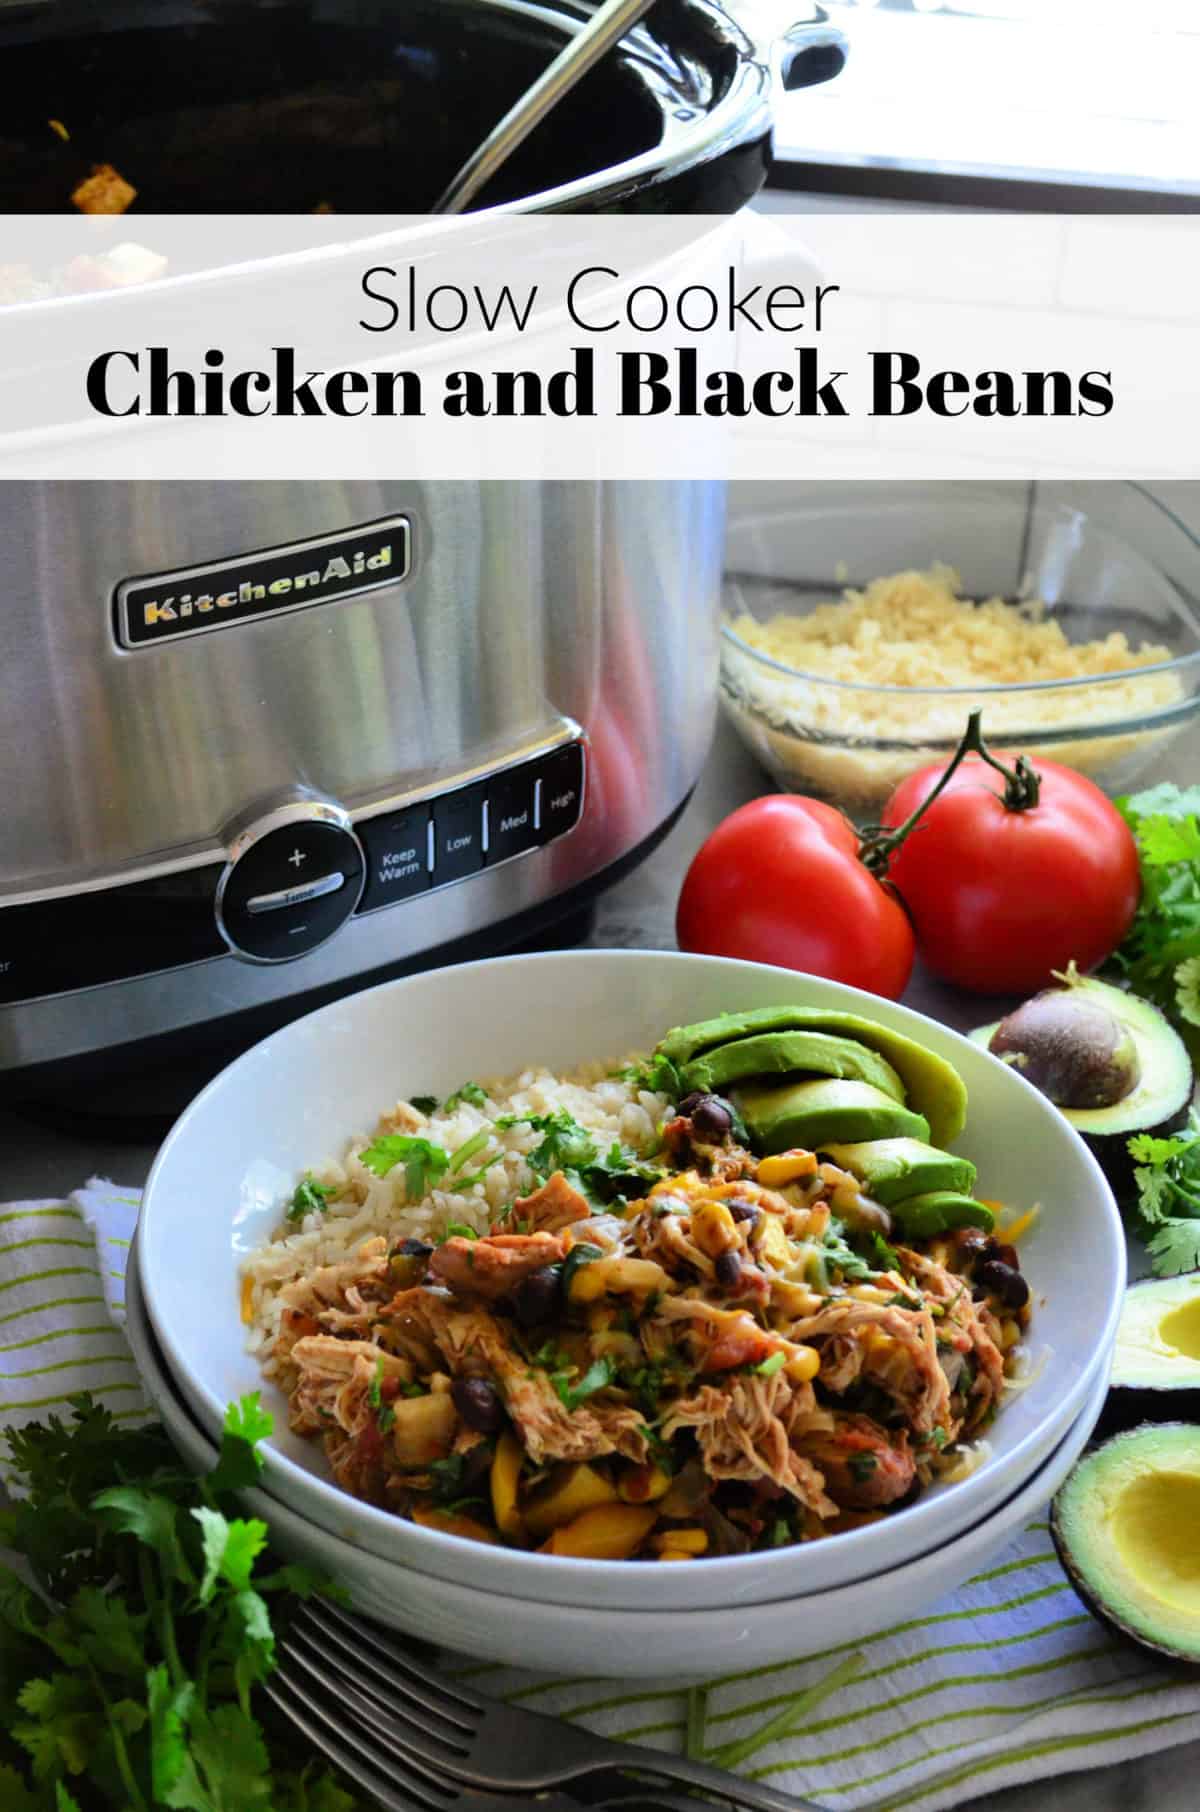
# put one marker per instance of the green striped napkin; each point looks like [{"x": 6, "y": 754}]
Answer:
[{"x": 1007, "y": 1682}]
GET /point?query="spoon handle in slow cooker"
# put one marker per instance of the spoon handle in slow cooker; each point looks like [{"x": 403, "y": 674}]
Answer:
[{"x": 607, "y": 24}]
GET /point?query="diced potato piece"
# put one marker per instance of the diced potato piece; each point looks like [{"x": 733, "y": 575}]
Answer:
[
  {"x": 423, "y": 1429},
  {"x": 617, "y": 1277},
  {"x": 714, "y": 1229},
  {"x": 105, "y": 191},
  {"x": 643, "y": 1484},
  {"x": 505, "y": 1481},
  {"x": 787, "y": 1167},
  {"x": 680, "y": 1541},
  {"x": 570, "y": 1491},
  {"x": 774, "y": 1245},
  {"x": 430, "y": 1517},
  {"x": 609, "y": 1532}
]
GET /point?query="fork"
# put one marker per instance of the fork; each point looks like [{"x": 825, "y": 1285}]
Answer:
[
  {"x": 438, "y": 1727},
  {"x": 404, "y": 1791}
]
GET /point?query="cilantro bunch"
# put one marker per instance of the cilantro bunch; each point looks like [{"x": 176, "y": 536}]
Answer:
[
  {"x": 1167, "y": 1212},
  {"x": 567, "y": 1146},
  {"x": 134, "y": 1638},
  {"x": 1160, "y": 957}
]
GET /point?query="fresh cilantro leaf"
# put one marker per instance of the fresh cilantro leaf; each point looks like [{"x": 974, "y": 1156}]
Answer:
[
  {"x": 597, "y": 1375},
  {"x": 658, "y": 1074},
  {"x": 565, "y": 1144},
  {"x": 63, "y": 1801},
  {"x": 57, "y": 1727},
  {"x": 467, "y": 1149},
  {"x": 385, "y": 1415},
  {"x": 424, "y": 1163},
  {"x": 781, "y": 1533},
  {"x": 885, "y": 1256},
  {"x": 1175, "y": 1247},
  {"x": 151, "y": 1518},
  {"x": 231, "y": 1548},
  {"x": 15, "y": 1796},
  {"x": 774, "y": 1362},
  {"x": 1144, "y": 1148},
  {"x": 458, "y": 1230},
  {"x": 447, "y": 1476},
  {"x": 110, "y": 1635},
  {"x": 239, "y": 1462},
  {"x": 309, "y": 1197},
  {"x": 470, "y": 1092},
  {"x": 169, "y": 1709},
  {"x": 581, "y": 1253},
  {"x": 424, "y": 1104}
]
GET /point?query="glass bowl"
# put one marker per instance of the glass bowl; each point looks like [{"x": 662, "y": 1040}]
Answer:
[{"x": 1105, "y": 559}]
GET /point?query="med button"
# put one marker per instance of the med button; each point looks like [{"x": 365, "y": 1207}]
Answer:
[
  {"x": 397, "y": 850},
  {"x": 512, "y": 819},
  {"x": 561, "y": 783},
  {"x": 458, "y": 835}
]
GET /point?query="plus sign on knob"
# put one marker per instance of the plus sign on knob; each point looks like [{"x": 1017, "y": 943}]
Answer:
[{"x": 293, "y": 878}]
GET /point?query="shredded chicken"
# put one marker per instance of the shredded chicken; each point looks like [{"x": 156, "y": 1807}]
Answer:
[
  {"x": 552, "y": 1207},
  {"x": 742, "y": 1434},
  {"x": 494, "y": 1266}
]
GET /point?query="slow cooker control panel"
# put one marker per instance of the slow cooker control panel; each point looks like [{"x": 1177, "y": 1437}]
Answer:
[
  {"x": 294, "y": 877},
  {"x": 294, "y": 874}
]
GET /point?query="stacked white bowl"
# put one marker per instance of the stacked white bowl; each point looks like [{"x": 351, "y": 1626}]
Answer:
[{"x": 290, "y": 1104}]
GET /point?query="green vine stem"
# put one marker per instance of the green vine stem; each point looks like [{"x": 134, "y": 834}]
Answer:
[{"x": 1022, "y": 786}]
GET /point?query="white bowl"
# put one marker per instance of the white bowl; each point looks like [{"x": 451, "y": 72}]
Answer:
[
  {"x": 233, "y": 1157},
  {"x": 627, "y": 1644}
]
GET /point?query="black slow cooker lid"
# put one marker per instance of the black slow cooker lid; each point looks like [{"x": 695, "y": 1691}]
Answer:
[{"x": 363, "y": 106}]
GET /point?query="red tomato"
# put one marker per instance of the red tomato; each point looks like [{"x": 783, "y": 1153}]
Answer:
[
  {"x": 779, "y": 881},
  {"x": 1000, "y": 898}
]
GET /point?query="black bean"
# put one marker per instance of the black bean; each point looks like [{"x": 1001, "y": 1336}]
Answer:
[
  {"x": 711, "y": 1119},
  {"x": 535, "y": 1298},
  {"x": 689, "y": 1102},
  {"x": 744, "y": 1211},
  {"x": 1005, "y": 1255},
  {"x": 729, "y": 1270},
  {"x": 478, "y": 1403},
  {"x": 412, "y": 1248},
  {"x": 1002, "y": 1281}
]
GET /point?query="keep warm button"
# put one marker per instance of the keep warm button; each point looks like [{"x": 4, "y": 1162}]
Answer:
[
  {"x": 397, "y": 846},
  {"x": 458, "y": 835}
]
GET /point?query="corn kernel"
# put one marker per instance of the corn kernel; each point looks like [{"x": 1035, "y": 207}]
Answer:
[
  {"x": 1010, "y": 1333},
  {"x": 644, "y": 1484},
  {"x": 788, "y": 1167},
  {"x": 247, "y": 1301},
  {"x": 618, "y": 1276},
  {"x": 680, "y": 1541},
  {"x": 714, "y": 1229},
  {"x": 674, "y": 1554},
  {"x": 804, "y": 1365}
]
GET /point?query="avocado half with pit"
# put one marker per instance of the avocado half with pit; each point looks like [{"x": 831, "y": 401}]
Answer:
[
  {"x": 1125, "y": 1525},
  {"x": 1108, "y": 1060},
  {"x": 932, "y": 1087},
  {"x": 1156, "y": 1362}
]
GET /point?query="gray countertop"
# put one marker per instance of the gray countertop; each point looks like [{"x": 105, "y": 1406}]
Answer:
[{"x": 640, "y": 911}]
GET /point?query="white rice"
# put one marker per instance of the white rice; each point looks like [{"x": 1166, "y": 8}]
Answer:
[{"x": 612, "y": 1110}]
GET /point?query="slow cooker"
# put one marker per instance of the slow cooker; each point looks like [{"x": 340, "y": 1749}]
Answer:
[{"x": 263, "y": 743}]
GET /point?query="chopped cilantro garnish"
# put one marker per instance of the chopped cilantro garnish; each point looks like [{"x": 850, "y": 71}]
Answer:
[
  {"x": 583, "y": 1253},
  {"x": 565, "y": 1145},
  {"x": 658, "y": 1074},
  {"x": 460, "y": 1185},
  {"x": 773, "y": 1363},
  {"x": 458, "y": 1230},
  {"x": 424, "y": 1104},
  {"x": 900, "y": 1301},
  {"x": 862, "y": 1465},
  {"x": 447, "y": 1476},
  {"x": 597, "y": 1375},
  {"x": 309, "y": 1197},
  {"x": 781, "y": 1533},
  {"x": 886, "y": 1257},
  {"x": 424, "y": 1163},
  {"x": 469, "y": 1092},
  {"x": 467, "y": 1149}
]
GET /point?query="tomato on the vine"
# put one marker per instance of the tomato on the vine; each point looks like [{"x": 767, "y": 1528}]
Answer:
[
  {"x": 780, "y": 881},
  {"x": 1009, "y": 874}
]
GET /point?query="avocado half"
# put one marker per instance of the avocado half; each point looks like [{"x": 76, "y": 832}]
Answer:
[
  {"x": 1125, "y": 1525},
  {"x": 1160, "y": 1098},
  {"x": 1156, "y": 1362},
  {"x": 780, "y": 1116},
  {"x": 790, "y": 1053},
  {"x": 933, "y": 1087}
]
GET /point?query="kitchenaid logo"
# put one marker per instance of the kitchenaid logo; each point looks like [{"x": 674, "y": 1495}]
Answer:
[{"x": 194, "y": 599}]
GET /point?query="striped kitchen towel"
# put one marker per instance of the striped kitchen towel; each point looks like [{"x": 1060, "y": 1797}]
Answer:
[{"x": 1007, "y": 1682}]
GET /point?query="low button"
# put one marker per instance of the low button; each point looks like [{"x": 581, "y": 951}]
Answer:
[
  {"x": 512, "y": 818},
  {"x": 458, "y": 835},
  {"x": 561, "y": 799},
  {"x": 397, "y": 847}
]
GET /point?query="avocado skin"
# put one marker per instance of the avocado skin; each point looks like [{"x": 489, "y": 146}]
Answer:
[
  {"x": 887, "y": 1173},
  {"x": 1166, "y": 1115},
  {"x": 814, "y": 1113},
  {"x": 1099, "y": 1608},
  {"x": 784, "y": 1053},
  {"x": 939, "y": 1211}
]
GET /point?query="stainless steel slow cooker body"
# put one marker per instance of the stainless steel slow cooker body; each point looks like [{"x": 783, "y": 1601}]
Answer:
[
  {"x": 200, "y": 727},
  {"x": 369, "y": 106}
]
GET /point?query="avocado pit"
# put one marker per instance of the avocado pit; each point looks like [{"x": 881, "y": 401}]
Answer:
[{"x": 1071, "y": 1047}]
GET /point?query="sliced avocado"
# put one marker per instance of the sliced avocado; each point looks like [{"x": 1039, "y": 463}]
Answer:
[
  {"x": 779, "y": 1116},
  {"x": 785, "y": 1053},
  {"x": 933, "y": 1087},
  {"x": 1125, "y": 1528},
  {"x": 939, "y": 1211},
  {"x": 1138, "y": 1048},
  {"x": 890, "y": 1169},
  {"x": 1156, "y": 1363}
]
